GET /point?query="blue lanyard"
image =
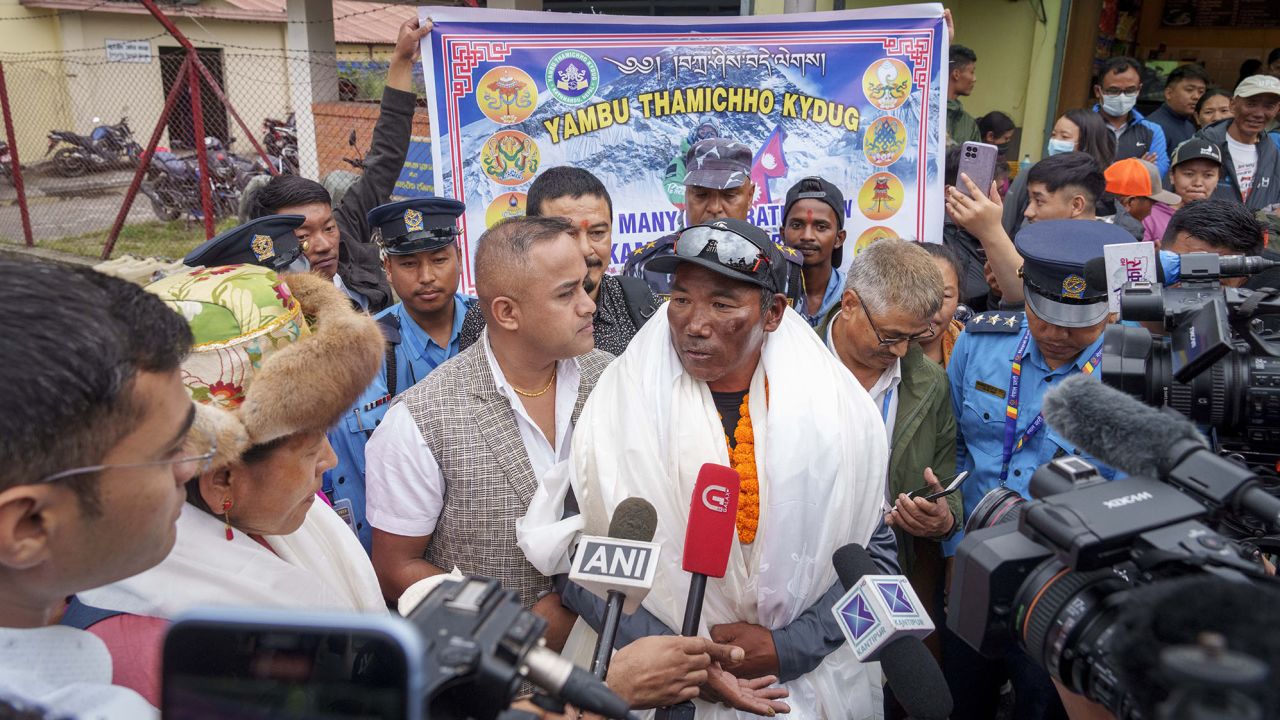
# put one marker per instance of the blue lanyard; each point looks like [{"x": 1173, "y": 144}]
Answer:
[
  {"x": 1013, "y": 443},
  {"x": 884, "y": 407}
]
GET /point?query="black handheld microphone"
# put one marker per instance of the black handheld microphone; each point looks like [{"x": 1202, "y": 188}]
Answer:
[
  {"x": 908, "y": 667},
  {"x": 1119, "y": 430},
  {"x": 619, "y": 568}
]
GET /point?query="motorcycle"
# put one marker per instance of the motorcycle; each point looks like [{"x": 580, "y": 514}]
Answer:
[
  {"x": 105, "y": 147},
  {"x": 173, "y": 183},
  {"x": 281, "y": 143},
  {"x": 6, "y": 162}
]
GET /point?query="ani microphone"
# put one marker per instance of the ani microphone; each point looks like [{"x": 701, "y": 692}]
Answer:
[
  {"x": 619, "y": 568},
  {"x": 882, "y": 620},
  {"x": 713, "y": 515}
]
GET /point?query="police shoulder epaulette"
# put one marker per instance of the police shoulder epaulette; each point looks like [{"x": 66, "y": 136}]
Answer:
[
  {"x": 389, "y": 324},
  {"x": 789, "y": 253},
  {"x": 654, "y": 246},
  {"x": 995, "y": 321}
]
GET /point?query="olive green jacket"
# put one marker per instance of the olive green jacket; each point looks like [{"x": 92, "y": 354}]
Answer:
[
  {"x": 924, "y": 434},
  {"x": 961, "y": 127}
]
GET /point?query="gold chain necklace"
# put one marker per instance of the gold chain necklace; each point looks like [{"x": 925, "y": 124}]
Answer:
[{"x": 544, "y": 390}]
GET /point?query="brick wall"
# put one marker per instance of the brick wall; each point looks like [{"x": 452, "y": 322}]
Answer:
[{"x": 336, "y": 120}]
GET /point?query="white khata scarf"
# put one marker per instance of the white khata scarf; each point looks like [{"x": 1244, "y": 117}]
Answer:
[{"x": 646, "y": 430}]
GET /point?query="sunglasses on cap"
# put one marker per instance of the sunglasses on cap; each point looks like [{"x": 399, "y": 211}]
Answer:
[{"x": 731, "y": 249}]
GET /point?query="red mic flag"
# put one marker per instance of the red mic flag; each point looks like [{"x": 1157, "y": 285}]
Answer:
[{"x": 713, "y": 515}]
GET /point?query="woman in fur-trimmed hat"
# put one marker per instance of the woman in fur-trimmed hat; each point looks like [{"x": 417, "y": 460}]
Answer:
[{"x": 276, "y": 361}]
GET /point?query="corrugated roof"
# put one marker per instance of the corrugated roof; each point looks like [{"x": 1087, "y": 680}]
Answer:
[{"x": 354, "y": 22}]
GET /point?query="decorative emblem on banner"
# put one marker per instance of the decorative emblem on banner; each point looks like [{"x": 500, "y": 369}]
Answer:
[
  {"x": 884, "y": 141},
  {"x": 507, "y": 95},
  {"x": 509, "y": 157},
  {"x": 572, "y": 77},
  {"x": 872, "y": 234},
  {"x": 881, "y": 196},
  {"x": 412, "y": 221},
  {"x": 263, "y": 247},
  {"x": 887, "y": 83},
  {"x": 507, "y": 205},
  {"x": 1073, "y": 287}
]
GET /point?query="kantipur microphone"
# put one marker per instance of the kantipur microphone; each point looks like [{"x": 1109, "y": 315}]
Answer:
[
  {"x": 713, "y": 514},
  {"x": 619, "y": 568},
  {"x": 882, "y": 620}
]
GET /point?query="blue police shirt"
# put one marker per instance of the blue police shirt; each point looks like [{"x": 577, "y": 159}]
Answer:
[
  {"x": 835, "y": 289},
  {"x": 979, "y": 370},
  {"x": 416, "y": 356}
]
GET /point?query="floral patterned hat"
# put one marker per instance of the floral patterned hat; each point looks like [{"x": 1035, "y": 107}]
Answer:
[{"x": 273, "y": 355}]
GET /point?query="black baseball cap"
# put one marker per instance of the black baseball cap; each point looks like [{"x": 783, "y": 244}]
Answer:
[
  {"x": 728, "y": 246},
  {"x": 829, "y": 194}
]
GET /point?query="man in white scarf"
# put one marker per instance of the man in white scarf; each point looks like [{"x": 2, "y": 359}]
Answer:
[{"x": 727, "y": 337}]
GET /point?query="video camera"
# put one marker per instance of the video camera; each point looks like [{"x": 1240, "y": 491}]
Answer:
[
  {"x": 461, "y": 654},
  {"x": 1219, "y": 364},
  {"x": 1051, "y": 577}
]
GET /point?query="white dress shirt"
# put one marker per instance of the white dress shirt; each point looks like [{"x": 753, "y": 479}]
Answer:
[
  {"x": 404, "y": 486},
  {"x": 67, "y": 672},
  {"x": 884, "y": 392},
  {"x": 360, "y": 300}
]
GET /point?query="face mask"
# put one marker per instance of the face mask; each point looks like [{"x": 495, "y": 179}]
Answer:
[
  {"x": 1057, "y": 147},
  {"x": 1118, "y": 105},
  {"x": 1003, "y": 148}
]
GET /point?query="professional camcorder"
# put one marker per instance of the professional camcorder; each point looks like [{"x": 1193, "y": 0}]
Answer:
[
  {"x": 461, "y": 654},
  {"x": 1220, "y": 362},
  {"x": 1055, "y": 576}
]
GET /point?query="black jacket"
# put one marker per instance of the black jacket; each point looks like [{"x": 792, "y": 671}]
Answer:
[{"x": 358, "y": 261}]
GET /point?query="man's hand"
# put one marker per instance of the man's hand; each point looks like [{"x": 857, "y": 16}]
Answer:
[
  {"x": 559, "y": 619},
  {"x": 753, "y": 696},
  {"x": 951, "y": 25},
  {"x": 920, "y": 517},
  {"x": 665, "y": 669},
  {"x": 757, "y": 642},
  {"x": 407, "y": 51},
  {"x": 978, "y": 212},
  {"x": 1150, "y": 157},
  {"x": 992, "y": 281}
]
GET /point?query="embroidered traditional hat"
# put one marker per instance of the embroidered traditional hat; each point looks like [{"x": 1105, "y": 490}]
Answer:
[{"x": 273, "y": 355}]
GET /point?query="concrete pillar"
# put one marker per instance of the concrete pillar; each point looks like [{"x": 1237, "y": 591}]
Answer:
[
  {"x": 515, "y": 4},
  {"x": 313, "y": 74}
]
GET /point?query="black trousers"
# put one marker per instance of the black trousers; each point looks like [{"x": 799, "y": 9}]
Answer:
[{"x": 975, "y": 683}]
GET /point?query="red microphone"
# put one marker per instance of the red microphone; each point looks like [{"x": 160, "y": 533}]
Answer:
[
  {"x": 713, "y": 516},
  {"x": 713, "y": 519}
]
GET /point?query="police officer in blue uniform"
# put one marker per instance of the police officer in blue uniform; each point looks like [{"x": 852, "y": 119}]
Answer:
[
  {"x": 423, "y": 262},
  {"x": 268, "y": 241},
  {"x": 1000, "y": 369}
]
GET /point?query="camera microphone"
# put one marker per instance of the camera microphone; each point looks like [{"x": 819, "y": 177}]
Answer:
[
  {"x": 882, "y": 620},
  {"x": 1137, "y": 439},
  {"x": 619, "y": 568}
]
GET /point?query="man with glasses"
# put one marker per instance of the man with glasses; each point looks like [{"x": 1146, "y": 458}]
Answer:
[
  {"x": 726, "y": 373},
  {"x": 893, "y": 291},
  {"x": 1000, "y": 369},
  {"x": 93, "y": 431},
  {"x": 1117, "y": 89}
]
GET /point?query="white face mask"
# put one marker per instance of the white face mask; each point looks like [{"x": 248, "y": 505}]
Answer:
[
  {"x": 1119, "y": 105},
  {"x": 1057, "y": 147}
]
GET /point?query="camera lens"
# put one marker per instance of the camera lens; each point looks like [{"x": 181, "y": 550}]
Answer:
[
  {"x": 1063, "y": 621},
  {"x": 997, "y": 507}
]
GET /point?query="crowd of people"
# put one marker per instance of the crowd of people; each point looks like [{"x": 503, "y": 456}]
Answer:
[{"x": 312, "y": 416}]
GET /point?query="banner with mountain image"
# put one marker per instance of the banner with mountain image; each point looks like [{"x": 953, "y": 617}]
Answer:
[{"x": 854, "y": 96}]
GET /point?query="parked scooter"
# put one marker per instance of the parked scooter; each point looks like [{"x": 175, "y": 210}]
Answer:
[
  {"x": 106, "y": 147},
  {"x": 280, "y": 140},
  {"x": 173, "y": 184}
]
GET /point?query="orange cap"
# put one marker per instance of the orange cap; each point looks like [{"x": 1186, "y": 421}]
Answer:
[{"x": 1133, "y": 177}]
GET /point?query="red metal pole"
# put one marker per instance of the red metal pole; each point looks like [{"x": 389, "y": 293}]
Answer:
[
  {"x": 145, "y": 160},
  {"x": 13, "y": 158},
  {"x": 202, "y": 156},
  {"x": 167, "y": 24},
  {"x": 217, "y": 90}
]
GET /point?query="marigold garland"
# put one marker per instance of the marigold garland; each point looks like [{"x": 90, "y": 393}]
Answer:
[{"x": 743, "y": 458}]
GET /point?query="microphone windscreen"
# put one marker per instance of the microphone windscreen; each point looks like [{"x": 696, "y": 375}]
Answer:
[
  {"x": 852, "y": 562},
  {"x": 713, "y": 515},
  {"x": 917, "y": 683},
  {"x": 1114, "y": 427},
  {"x": 634, "y": 519},
  {"x": 1095, "y": 272}
]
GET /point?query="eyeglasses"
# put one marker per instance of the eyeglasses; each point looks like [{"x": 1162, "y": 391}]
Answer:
[
  {"x": 199, "y": 464},
  {"x": 1117, "y": 92},
  {"x": 732, "y": 250},
  {"x": 890, "y": 342}
]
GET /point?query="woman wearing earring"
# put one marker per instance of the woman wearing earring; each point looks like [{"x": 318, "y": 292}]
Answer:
[{"x": 275, "y": 363}]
